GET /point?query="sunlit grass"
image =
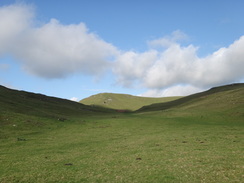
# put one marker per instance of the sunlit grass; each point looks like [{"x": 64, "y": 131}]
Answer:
[
  {"x": 130, "y": 148},
  {"x": 199, "y": 141}
]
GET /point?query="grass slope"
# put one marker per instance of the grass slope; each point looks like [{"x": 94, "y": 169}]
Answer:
[
  {"x": 200, "y": 140},
  {"x": 123, "y": 101},
  {"x": 218, "y": 95},
  {"x": 22, "y": 111},
  {"x": 40, "y": 105}
]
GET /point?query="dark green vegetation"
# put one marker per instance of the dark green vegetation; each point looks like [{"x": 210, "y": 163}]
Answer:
[
  {"x": 45, "y": 139},
  {"x": 122, "y": 101}
]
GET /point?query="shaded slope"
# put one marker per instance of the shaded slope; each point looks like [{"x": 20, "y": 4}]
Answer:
[
  {"x": 27, "y": 103},
  {"x": 24, "y": 113},
  {"x": 219, "y": 98},
  {"x": 122, "y": 101}
]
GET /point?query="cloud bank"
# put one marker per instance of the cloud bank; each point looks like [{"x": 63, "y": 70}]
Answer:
[
  {"x": 55, "y": 50},
  {"x": 52, "y": 50},
  {"x": 179, "y": 68},
  {"x": 14, "y": 20},
  {"x": 75, "y": 99}
]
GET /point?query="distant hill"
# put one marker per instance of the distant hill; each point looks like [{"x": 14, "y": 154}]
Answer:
[
  {"x": 228, "y": 97},
  {"x": 123, "y": 101}
]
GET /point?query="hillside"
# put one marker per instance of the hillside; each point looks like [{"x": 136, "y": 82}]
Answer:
[
  {"x": 39, "y": 104},
  {"x": 166, "y": 142},
  {"x": 123, "y": 101},
  {"x": 20, "y": 107},
  {"x": 220, "y": 98}
]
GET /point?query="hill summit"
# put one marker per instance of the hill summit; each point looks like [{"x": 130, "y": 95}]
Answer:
[{"x": 123, "y": 101}]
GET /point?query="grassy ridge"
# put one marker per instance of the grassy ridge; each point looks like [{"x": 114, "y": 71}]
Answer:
[
  {"x": 123, "y": 101},
  {"x": 23, "y": 112},
  {"x": 200, "y": 140},
  {"x": 222, "y": 93},
  {"x": 38, "y": 104}
]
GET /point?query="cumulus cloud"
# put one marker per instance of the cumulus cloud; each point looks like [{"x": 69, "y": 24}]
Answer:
[
  {"x": 169, "y": 40},
  {"x": 52, "y": 50},
  {"x": 55, "y": 50},
  {"x": 173, "y": 66},
  {"x": 14, "y": 19},
  {"x": 178, "y": 67},
  {"x": 75, "y": 99},
  {"x": 4, "y": 67},
  {"x": 131, "y": 66},
  {"x": 178, "y": 90}
]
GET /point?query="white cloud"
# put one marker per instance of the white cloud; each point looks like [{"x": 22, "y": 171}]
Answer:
[
  {"x": 55, "y": 50},
  {"x": 178, "y": 65},
  {"x": 223, "y": 66},
  {"x": 14, "y": 19},
  {"x": 169, "y": 40},
  {"x": 52, "y": 50},
  {"x": 74, "y": 99},
  {"x": 4, "y": 67},
  {"x": 131, "y": 66},
  {"x": 178, "y": 90},
  {"x": 173, "y": 66}
]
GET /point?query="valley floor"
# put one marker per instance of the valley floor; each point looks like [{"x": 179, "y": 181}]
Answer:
[{"x": 164, "y": 146}]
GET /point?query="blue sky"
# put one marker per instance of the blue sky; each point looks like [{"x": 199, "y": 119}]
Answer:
[{"x": 77, "y": 48}]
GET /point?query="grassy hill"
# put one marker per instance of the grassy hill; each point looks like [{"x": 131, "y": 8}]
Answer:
[
  {"x": 198, "y": 138},
  {"x": 123, "y": 101},
  {"x": 217, "y": 98},
  {"x": 40, "y": 105},
  {"x": 26, "y": 110}
]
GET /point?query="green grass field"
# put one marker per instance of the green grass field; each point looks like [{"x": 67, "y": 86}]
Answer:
[{"x": 199, "y": 140}]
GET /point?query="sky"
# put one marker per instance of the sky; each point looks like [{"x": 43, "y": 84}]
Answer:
[{"x": 73, "y": 49}]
